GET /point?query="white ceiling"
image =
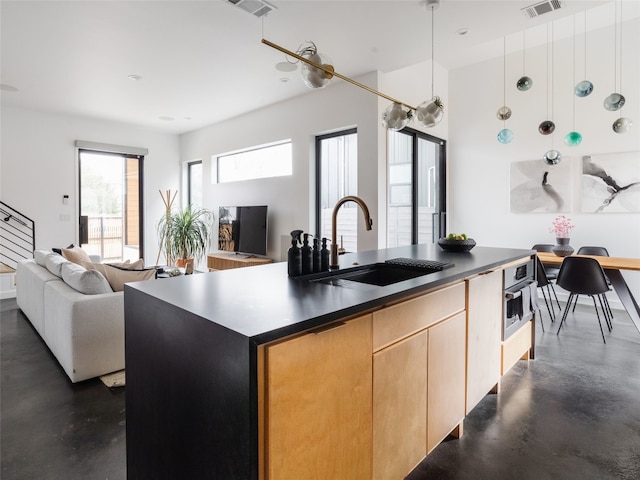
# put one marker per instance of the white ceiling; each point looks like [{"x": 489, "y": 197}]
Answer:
[{"x": 202, "y": 62}]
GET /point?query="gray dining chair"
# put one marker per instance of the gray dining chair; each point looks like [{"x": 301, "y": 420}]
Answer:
[
  {"x": 601, "y": 252},
  {"x": 583, "y": 276}
]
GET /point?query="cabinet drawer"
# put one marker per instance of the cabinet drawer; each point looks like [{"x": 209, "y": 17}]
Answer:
[{"x": 403, "y": 319}]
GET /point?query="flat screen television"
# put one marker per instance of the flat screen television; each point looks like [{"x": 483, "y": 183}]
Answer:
[{"x": 243, "y": 230}]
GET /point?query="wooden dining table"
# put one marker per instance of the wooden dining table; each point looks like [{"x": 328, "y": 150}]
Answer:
[{"x": 612, "y": 267}]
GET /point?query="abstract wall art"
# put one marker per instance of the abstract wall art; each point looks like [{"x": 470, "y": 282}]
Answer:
[
  {"x": 538, "y": 187},
  {"x": 611, "y": 183}
]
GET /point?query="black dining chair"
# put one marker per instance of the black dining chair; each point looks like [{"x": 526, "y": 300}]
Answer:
[
  {"x": 583, "y": 276},
  {"x": 601, "y": 252},
  {"x": 550, "y": 271},
  {"x": 543, "y": 281}
]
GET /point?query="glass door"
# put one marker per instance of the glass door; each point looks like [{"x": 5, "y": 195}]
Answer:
[
  {"x": 416, "y": 188},
  {"x": 111, "y": 205}
]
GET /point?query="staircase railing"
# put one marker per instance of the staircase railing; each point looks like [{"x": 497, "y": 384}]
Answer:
[{"x": 17, "y": 236}]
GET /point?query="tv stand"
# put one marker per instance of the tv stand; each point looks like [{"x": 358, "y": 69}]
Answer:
[{"x": 225, "y": 261}]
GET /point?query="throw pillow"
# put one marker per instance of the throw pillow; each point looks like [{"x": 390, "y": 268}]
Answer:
[
  {"x": 117, "y": 277},
  {"x": 128, "y": 265},
  {"x": 59, "y": 250},
  {"x": 54, "y": 263},
  {"x": 76, "y": 255},
  {"x": 89, "y": 282},
  {"x": 40, "y": 256}
]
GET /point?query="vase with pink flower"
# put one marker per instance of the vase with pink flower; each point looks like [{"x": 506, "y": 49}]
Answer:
[{"x": 561, "y": 227}]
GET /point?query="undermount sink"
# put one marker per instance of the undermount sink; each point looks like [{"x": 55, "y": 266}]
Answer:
[{"x": 380, "y": 274}]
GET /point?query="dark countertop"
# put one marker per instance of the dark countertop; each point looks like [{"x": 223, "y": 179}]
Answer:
[{"x": 263, "y": 304}]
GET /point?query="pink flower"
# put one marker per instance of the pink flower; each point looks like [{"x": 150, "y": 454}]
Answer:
[{"x": 561, "y": 226}]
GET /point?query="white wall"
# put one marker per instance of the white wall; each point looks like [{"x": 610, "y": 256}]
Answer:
[
  {"x": 39, "y": 166},
  {"x": 479, "y": 165},
  {"x": 290, "y": 199}
]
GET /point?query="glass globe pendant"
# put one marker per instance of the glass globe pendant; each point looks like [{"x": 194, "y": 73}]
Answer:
[
  {"x": 395, "y": 117},
  {"x": 583, "y": 88},
  {"x": 503, "y": 113},
  {"x": 614, "y": 102},
  {"x": 547, "y": 127},
  {"x": 573, "y": 139},
  {"x": 314, "y": 77},
  {"x": 552, "y": 157},
  {"x": 505, "y": 136},
  {"x": 622, "y": 125},
  {"x": 524, "y": 83},
  {"x": 430, "y": 113}
]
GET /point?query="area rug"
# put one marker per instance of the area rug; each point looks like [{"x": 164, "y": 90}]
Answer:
[{"x": 113, "y": 380}]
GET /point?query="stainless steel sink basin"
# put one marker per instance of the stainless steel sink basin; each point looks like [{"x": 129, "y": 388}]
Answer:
[{"x": 380, "y": 274}]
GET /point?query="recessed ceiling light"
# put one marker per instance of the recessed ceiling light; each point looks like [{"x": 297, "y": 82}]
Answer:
[
  {"x": 135, "y": 78},
  {"x": 8, "y": 88},
  {"x": 286, "y": 66},
  {"x": 166, "y": 119},
  {"x": 462, "y": 32}
]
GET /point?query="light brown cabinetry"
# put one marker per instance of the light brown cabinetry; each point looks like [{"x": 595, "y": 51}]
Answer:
[
  {"x": 446, "y": 380},
  {"x": 226, "y": 261},
  {"x": 484, "y": 334},
  {"x": 318, "y": 404},
  {"x": 400, "y": 407}
]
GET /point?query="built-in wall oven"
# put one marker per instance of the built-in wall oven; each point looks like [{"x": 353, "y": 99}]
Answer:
[{"x": 520, "y": 297}]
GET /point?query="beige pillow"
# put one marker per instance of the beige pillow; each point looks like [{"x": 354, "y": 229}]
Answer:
[
  {"x": 117, "y": 277},
  {"x": 128, "y": 265},
  {"x": 89, "y": 282},
  {"x": 76, "y": 255}
]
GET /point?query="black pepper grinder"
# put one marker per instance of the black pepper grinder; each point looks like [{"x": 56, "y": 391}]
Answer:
[
  {"x": 307, "y": 256},
  {"x": 324, "y": 256}
]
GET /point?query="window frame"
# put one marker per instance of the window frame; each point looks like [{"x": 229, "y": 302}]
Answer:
[{"x": 189, "y": 178}]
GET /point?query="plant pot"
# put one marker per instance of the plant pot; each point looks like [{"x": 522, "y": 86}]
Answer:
[
  {"x": 562, "y": 247},
  {"x": 182, "y": 262}
]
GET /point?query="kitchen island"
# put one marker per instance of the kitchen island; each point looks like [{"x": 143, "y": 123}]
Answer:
[{"x": 250, "y": 374}]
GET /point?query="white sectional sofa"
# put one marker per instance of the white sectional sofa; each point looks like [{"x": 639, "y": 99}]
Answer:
[{"x": 85, "y": 332}]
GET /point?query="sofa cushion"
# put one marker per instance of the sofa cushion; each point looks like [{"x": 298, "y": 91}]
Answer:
[
  {"x": 54, "y": 263},
  {"x": 40, "y": 256},
  {"x": 117, "y": 277},
  {"x": 76, "y": 255},
  {"x": 89, "y": 282}
]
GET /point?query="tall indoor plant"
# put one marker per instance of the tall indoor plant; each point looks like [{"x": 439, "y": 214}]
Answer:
[{"x": 185, "y": 234}]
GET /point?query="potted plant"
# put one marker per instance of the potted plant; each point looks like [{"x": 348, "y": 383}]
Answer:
[{"x": 185, "y": 234}]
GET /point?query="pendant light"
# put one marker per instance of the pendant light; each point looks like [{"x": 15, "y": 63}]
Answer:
[
  {"x": 616, "y": 100},
  {"x": 553, "y": 156},
  {"x": 504, "y": 113},
  {"x": 621, "y": 124},
  {"x": 524, "y": 83},
  {"x": 573, "y": 138},
  {"x": 430, "y": 112},
  {"x": 584, "y": 87}
]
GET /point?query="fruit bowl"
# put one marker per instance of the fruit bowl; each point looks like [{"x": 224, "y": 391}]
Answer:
[{"x": 457, "y": 245}]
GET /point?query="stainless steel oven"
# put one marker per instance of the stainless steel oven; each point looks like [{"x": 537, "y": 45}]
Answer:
[{"x": 520, "y": 297}]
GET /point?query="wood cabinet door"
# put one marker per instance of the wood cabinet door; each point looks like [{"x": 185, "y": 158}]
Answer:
[
  {"x": 446, "y": 362},
  {"x": 484, "y": 335},
  {"x": 319, "y": 404},
  {"x": 399, "y": 407}
]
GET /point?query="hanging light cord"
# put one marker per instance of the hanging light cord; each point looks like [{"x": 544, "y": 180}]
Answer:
[
  {"x": 433, "y": 12},
  {"x": 574, "y": 71},
  {"x": 620, "y": 48},
  {"x": 524, "y": 69},
  {"x": 504, "y": 77},
  {"x": 585, "y": 45}
]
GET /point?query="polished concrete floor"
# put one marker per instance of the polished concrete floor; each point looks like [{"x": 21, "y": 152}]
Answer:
[{"x": 573, "y": 413}]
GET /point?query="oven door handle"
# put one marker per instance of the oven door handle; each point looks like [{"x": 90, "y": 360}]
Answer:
[{"x": 512, "y": 295}]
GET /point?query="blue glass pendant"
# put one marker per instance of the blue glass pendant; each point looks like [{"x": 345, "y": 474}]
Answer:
[
  {"x": 583, "y": 88},
  {"x": 573, "y": 138},
  {"x": 505, "y": 136},
  {"x": 552, "y": 157}
]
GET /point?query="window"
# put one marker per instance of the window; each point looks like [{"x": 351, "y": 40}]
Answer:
[
  {"x": 416, "y": 182},
  {"x": 194, "y": 183},
  {"x": 111, "y": 205},
  {"x": 337, "y": 176},
  {"x": 274, "y": 160}
]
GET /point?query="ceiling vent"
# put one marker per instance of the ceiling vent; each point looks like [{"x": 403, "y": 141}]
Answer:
[
  {"x": 541, "y": 8},
  {"x": 257, "y": 8}
]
